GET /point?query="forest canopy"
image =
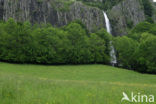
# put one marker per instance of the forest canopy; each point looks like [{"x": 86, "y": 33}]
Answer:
[
  {"x": 44, "y": 44},
  {"x": 137, "y": 51},
  {"x": 73, "y": 44}
]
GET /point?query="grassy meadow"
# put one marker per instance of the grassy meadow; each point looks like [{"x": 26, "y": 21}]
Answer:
[{"x": 69, "y": 84}]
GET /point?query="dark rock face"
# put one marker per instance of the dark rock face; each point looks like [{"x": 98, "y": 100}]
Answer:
[
  {"x": 48, "y": 11},
  {"x": 126, "y": 15},
  {"x": 92, "y": 17},
  {"x": 94, "y": 1},
  {"x": 154, "y": 7},
  {"x": 1, "y": 10}
]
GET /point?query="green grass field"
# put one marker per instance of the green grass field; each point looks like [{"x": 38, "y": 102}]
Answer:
[{"x": 81, "y": 84}]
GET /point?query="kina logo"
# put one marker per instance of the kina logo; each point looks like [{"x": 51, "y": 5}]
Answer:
[{"x": 138, "y": 98}]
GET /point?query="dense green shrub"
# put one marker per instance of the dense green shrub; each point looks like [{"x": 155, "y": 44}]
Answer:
[
  {"x": 147, "y": 53},
  {"x": 142, "y": 27},
  {"x": 138, "y": 50},
  {"x": 73, "y": 44},
  {"x": 148, "y": 9},
  {"x": 126, "y": 48},
  {"x": 44, "y": 44},
  {"x": 78, "y": 40},
  {"x": 105, "y": 36},
  {"x": 16, "y": 42},
  {"x": 51, "y": 45}
]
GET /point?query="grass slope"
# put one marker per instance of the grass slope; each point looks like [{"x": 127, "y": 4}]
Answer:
[{"x": 82, "y": 84}]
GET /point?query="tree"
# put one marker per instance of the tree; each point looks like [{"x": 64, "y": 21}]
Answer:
[
  {"x": 17, "y": 46},
  {"x": 107, "y": 38},
  {"x": 126, "y": 48},
  {"x": 141, "y": 27},
  {"x": 153, "y": 29},
  {"x": 147, "y": 53},
  {"x": 44, "y": 44},
  {"x": 77, "y": 36},
  {"x": 148, "y": 9},
  {"x": 51, "y": 45},
  {"x": 97, "y": 49}
]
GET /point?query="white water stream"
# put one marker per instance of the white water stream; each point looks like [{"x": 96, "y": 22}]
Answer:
[{"x": 112, "y": 52}]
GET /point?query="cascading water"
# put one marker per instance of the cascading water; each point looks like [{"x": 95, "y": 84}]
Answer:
[{"x": 112, "y": 52}]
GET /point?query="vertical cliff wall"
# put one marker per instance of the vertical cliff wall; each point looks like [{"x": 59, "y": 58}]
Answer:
[
  {"x": 51, "y": 11},
  {"x": 125, "y": 15},
  {"x": 1, "y": 9}
]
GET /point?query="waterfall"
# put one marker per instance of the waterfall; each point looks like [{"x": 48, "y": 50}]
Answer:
[{"x": 112, "y": 52}]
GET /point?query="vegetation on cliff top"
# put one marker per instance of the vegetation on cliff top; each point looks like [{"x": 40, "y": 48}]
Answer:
[{"x": 102, "y": 4}]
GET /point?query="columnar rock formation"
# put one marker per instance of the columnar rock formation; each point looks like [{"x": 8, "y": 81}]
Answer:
[
  {"x": 127, "y": 13},
  {"x": 51, "y": 11},
  {"x": 60, "y": 12}
]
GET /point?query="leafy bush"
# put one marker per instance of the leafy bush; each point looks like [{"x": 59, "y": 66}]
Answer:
[
  {"x": 138, "y": 50},
  {"x": 148, "y": 9},
  {"x": 126, "y": 48},
  {"x": 147, "y": 53},
  {"x": 44, "y": 44}
]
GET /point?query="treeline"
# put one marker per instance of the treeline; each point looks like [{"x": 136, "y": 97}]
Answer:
[
  {"x": 137, "y": 51},
  {"x": 44, "y": 44},
  {"x": 73, "y": 44}
]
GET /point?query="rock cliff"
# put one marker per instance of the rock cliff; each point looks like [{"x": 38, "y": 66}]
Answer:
[
  {"x": 126, "y": 15},
  {"x": 52, "y": 11},
  {"x": 123, "y": 16}
]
